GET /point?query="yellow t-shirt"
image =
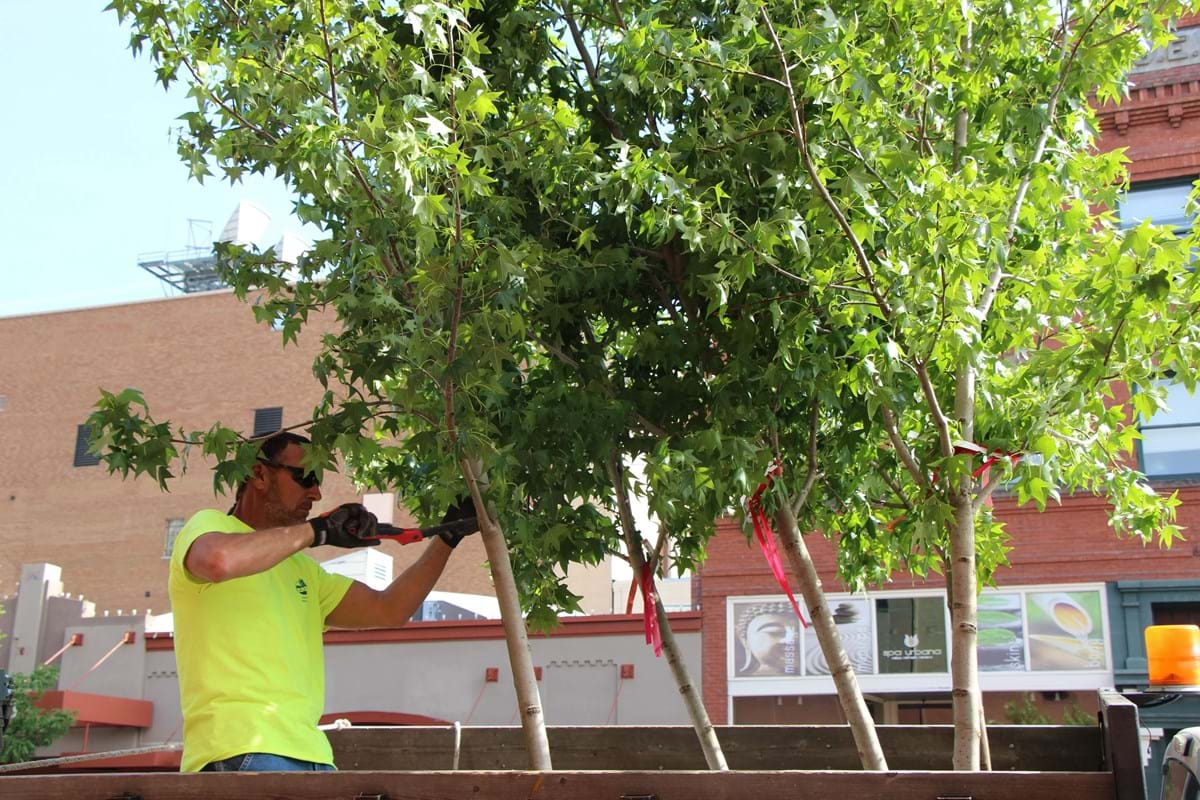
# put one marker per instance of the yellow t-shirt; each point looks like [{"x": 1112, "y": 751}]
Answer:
[{"x": 248, "y": 651}]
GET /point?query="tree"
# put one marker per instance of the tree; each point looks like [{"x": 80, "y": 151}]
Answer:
[
  {"x": 379, "y": 121},
  {"x": 32, "y": 727},
  {"x": 321, "y": 115},
  {"x": 868, "y": 242}
]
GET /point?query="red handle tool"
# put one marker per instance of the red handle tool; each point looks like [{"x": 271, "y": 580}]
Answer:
[{"x": 411, "y": 535}]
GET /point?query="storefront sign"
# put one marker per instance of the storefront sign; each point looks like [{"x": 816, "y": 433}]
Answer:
[
  {"x": 1022, "y": 632},
  {"x": 853, "y": 618},
  {"x": 767, "y": 639},
  {"x": 911, "y": 634},
  {"x": 1001, "y": 638},
  {"x": 1065, "y": 631}
]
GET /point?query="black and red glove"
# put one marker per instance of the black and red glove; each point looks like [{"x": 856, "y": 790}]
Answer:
[
  {"x": 463, "y": 509},
  {"x": 349, "y": 525}
]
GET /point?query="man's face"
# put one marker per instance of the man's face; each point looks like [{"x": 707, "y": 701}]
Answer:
[{"x": 286, "y": 502}]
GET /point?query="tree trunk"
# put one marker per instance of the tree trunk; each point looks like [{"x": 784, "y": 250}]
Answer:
[
  {"x": 533, "y": 721},
  {"x": 853, "y": 705},
  {"x": 705, "y": 732},
  {"x": 964, "y": 661},
  {"x": 985, "y": 752}
]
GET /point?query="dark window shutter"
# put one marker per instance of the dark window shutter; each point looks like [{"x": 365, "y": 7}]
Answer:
[
  {"x": 82, "y": 457},
  {"x": 267, "y": 420}
]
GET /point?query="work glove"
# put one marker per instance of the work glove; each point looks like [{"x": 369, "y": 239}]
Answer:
[
  {"x": 463, "y": 509},
  {"x": 349, "y": 525}
]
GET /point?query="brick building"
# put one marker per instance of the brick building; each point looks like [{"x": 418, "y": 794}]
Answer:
[
  {"x": 197, "y": 358},
  {"x": 1065, "y": 561}
]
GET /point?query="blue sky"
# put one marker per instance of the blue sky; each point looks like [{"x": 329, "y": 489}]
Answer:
[{"x": 90, "y": 175}]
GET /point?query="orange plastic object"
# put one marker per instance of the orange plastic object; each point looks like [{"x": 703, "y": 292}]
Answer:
[{"x": 1174, "y": 655}]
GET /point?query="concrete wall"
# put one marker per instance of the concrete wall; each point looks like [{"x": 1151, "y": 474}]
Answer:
[
  {"x": 581, "y": 683},
  {"x": 432, "y": 669},
  {"x": 594, "y": 584},
  {"x": 60, "y": 611}
]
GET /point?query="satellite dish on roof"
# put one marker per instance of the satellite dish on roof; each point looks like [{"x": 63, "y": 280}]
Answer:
[
  {"x": 246, "y": 224},
  {"x": 291, "y": 246}
]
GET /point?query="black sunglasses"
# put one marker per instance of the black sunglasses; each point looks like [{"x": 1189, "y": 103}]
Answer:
[{"x": 306, "y": 479}]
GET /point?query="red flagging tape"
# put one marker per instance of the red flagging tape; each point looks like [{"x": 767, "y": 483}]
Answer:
[
  {"x": 766, "y": 537},
  {"x": 649, "y": 614}
]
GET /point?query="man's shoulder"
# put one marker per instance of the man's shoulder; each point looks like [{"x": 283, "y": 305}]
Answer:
[{"x": 211, "y": 520}]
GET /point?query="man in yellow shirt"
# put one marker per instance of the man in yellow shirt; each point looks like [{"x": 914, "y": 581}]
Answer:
[{"x": 250, "y": 610}]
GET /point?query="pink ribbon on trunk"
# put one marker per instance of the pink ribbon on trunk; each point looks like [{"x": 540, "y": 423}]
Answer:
[
  {"x": 649, "y": 613},
  {"x": 766, "y": 537}
]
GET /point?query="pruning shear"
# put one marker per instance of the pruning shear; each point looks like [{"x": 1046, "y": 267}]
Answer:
[{"x": 412, "y": 535}]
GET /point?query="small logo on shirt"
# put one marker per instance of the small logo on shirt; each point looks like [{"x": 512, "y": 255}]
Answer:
[{"x": 302, "y": 589}]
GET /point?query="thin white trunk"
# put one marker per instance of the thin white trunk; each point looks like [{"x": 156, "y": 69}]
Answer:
[
  {"x": 844, "y": 679},
  {"x": 964, "y": 660},
  {"x": 697, "y": 713},
  {"x": 529, "y": 701},
  {"x": 705, "y": 732}
]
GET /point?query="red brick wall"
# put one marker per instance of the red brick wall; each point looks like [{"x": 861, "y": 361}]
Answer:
[
  {"x": 198, "y": 359},
  {"x": 1157, "y": 124}
]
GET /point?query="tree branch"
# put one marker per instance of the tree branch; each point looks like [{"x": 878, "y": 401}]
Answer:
[
  {"x": 901, "y": 448},
  {"x": 897, "y": 489},
  {"x": 333, "y": 100},
  {"x": 657, "y": 555},
  {"x": 270, "y": 137},
  {"x": 981, "y": 498},
  {"x": 801, "y": 136},
  {"x": 935, "y": 409},
  {"x": 448, "y": 386},
  {"x": 962, "y": 117},
  {"x": 1068, "y": 58},
  {"x": 811, "y": 479},
  {"x": 593, "y": 76},
  {"x": 723, "y": 68}
]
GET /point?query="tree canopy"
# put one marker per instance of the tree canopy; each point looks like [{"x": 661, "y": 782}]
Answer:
[{"x": 872, "y": 240}]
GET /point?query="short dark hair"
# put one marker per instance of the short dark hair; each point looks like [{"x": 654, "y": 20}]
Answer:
[
  {"x": 276, "y": 443},
  {"x": 271, "y": 447}
]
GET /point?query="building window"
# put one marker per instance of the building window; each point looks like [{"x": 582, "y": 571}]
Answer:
[
  {"x": 267, "y": 420},
  {"x": 1175, "y": 613},
  {"x": 1162, "y": 204},
  {"x": 174, "y": 526},
  {"x": 82, "y": 457},
  {"x": 1171, "y": 438}
]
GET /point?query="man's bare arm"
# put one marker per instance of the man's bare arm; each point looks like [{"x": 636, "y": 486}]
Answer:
[
  {"x": 364, "y": 607},
  {"x": 216, "y": 557}
]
